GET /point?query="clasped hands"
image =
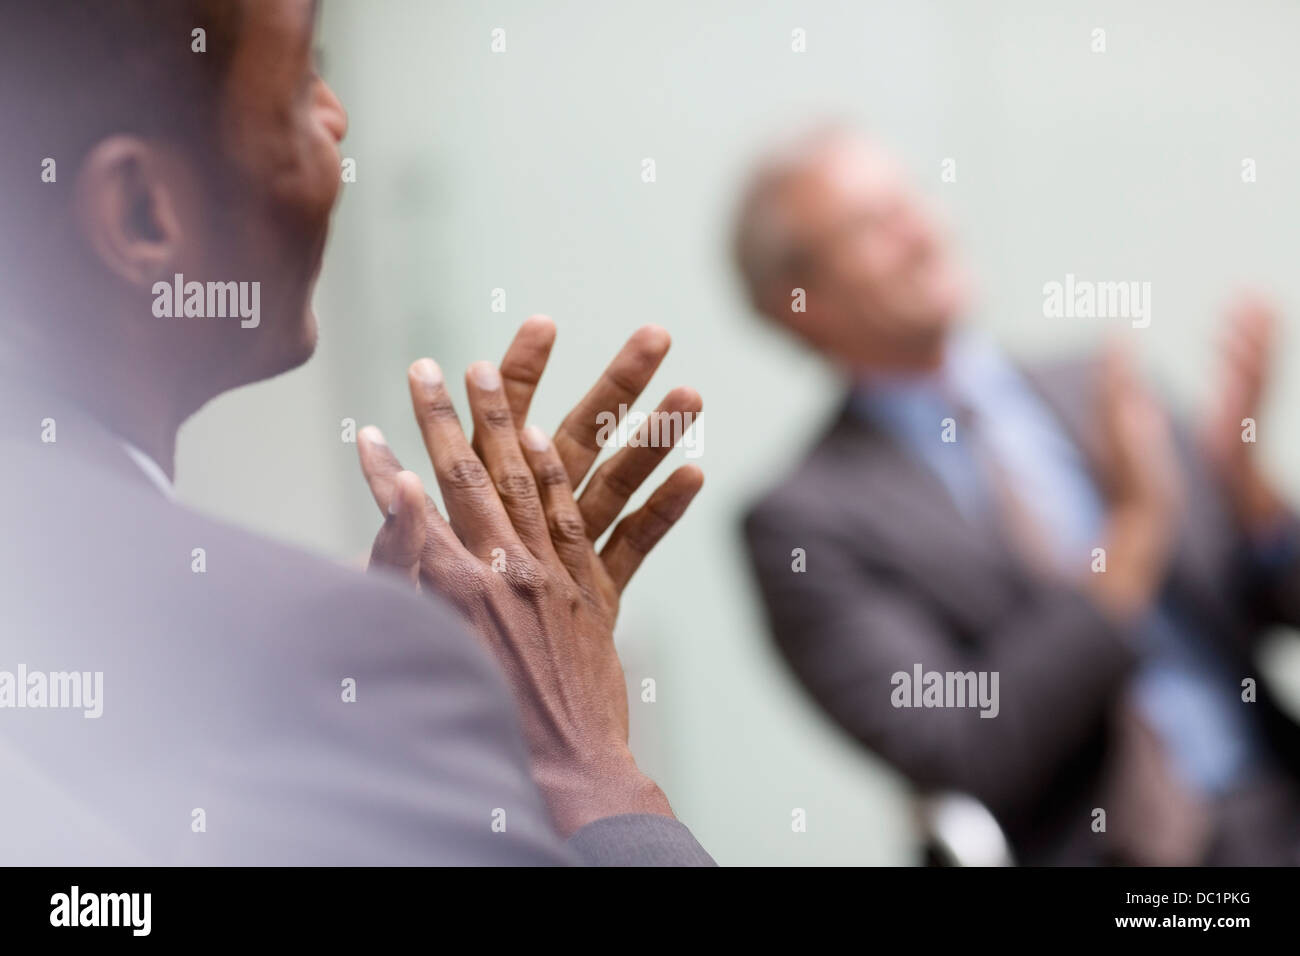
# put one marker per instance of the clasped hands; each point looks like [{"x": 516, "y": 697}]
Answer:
[
  {"x": 1144, "y": 482},
  {"x": 516, "y": 551}
]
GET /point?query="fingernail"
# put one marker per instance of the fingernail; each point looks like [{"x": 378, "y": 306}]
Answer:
[
  {"x": 373, "y": 435},
  {"x": 535, "y": 438},
  {"x": 485, "y": 376},
  {"x": 395, "y": 502},
  {"x": 427, "y": 371}
]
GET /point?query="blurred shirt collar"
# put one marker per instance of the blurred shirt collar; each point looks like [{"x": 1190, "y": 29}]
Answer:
[
  {"x": 972, "y": 364},
  {"x": 153, "y": 471}
]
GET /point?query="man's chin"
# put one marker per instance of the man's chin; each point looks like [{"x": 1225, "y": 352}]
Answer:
[
  {"x": 954, "y": 297},
  {"x": 306, "y": 344},
  {"x": 935, "y": 319},
  {"x": 938, "y": 319},
  {"x": 289, "y": 354}
]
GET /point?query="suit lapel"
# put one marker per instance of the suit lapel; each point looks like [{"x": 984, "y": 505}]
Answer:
[
  {"x": 970, "y": 568},
  {"x": 965, "y": 567}
]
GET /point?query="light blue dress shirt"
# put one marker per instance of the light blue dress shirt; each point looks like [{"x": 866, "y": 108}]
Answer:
[{"x": 1184, "y": 685}]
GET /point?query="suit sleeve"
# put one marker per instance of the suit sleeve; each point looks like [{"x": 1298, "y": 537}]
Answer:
[
  {"x": 638, "y": 839},
  {"x": 408, "y": 750},
  {"x": 847, "y": 626},
  {"x": 1272, "y": 563}
]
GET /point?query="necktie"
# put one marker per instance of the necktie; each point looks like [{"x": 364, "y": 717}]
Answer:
[
  {"x": 1153, "y": 819},
  {"x": 1009, "y": 516}
]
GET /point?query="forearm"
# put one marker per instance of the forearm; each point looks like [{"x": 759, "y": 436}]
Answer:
[
  {"x": 1058, "y": 663},
  {"x": 1136, "y": 560},
  {"x": 580, "y": 795}
]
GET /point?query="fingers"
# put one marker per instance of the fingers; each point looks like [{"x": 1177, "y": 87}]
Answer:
[
  {"x": 494, "y": 428},
  {"x": 381, "y": 469},
  {"x": 564, "y": 520},
  {"x": 1249, "y": 332},
  {"x": 523, "y": 364},
  {"x": 1252, "y": 314},
  {"x": 1130, "y": 408},
  {"x": 578, "y": 440},
  {"x": 1247, "y": 344},
  {"x": 639, "y": 532},
  {"x": 473, "y": 509},
  {"x": 1118, "y": 373},
  {"x": 615, "y": 481},
  {"x": 378, "y": 463},
  {"x": 400, "y": 542},
  {"x": 1250, "y": 326},
  {"x": 1142, "y": 422}
]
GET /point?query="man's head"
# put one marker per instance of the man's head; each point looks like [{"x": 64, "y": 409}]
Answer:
[
  {"x": 188, "y": 137},
  {"x": 835, "y": 216}
]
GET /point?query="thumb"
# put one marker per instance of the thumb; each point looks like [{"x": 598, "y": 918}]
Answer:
[{"x": 401, "y": 539}]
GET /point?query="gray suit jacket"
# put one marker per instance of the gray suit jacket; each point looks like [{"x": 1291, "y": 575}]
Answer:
[
  {"x": 895, "y": 576},
  {"x": 225, "y": 736}
]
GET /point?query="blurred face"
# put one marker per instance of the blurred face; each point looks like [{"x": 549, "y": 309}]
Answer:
[
  {"x": 883, "y": 287},
  {"x": 244, "y": 205},
  {"x": 281, "y": 128}
]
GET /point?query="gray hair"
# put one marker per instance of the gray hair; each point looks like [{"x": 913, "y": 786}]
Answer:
[{"x": 761, "y": 243}]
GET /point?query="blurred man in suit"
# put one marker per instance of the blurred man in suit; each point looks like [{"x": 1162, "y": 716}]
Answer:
[
  {"x": 1038, "y": 531},
  {"x": 173, "y": 690}
]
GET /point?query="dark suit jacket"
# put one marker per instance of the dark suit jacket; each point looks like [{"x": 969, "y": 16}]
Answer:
[
  {"x": 225, "y": 737},
  {"x": 895, "y": 576}
]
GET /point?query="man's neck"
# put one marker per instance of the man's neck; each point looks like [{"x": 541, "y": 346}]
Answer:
[
  {"x": 909, "y": 368},
  {"x": 138, "y": 407},
  {"x": 151, "y": 435}
]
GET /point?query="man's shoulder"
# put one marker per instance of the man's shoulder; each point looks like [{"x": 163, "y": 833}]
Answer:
[
  {"x": 272, "y": 693},
  {"x": 808, "y": 489},
  {"x": 107, "y": 562},
  {"x": 850, "y": 455},
  {"x": 1065, "y": 378},
  {"x": 99, "y": 525}
]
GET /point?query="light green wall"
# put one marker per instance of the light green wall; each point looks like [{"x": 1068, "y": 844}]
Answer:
[{"x": 522, "y": 171}]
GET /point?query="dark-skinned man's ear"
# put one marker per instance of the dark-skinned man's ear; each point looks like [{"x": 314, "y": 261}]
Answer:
[{"x": 127, "y": 209}]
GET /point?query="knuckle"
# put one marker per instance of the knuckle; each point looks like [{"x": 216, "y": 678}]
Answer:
[
  {"x": 551, "y": 474},
  {"x": 618, "y": 484},
  {"x": 472, "y": 578},
  {"x": 525, "y": 577},
  {"x": 621, "y": 382},
  {"x": 587, "y": 438},
  {"x": 438, "y": 407},
  {"x": 660, "y": 516},
  {"x": 639, "y": 540},
  {"x": 567, "y": 525},
  {"x": 498, "y": 416},
  {"x": 642, "y": 535},
  {"x": 467, "y": 474},
  {"x": 515, "y": 485}
]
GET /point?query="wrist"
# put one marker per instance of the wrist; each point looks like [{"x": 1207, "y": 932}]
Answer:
[
  {"x": 1136, "y": 551},
  {"x": 578, "y": 793},
  {"x": 1258, "y": 507},
  {"x": 1138, "y": 539}
]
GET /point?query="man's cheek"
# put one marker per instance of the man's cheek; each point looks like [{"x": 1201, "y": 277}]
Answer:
[
  {"x": 303, "y": 190},
  {"x": 328, "y": 177}
]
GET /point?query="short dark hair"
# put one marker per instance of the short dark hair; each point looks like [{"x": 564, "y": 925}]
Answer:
[{"x": 73, "y": 72}]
